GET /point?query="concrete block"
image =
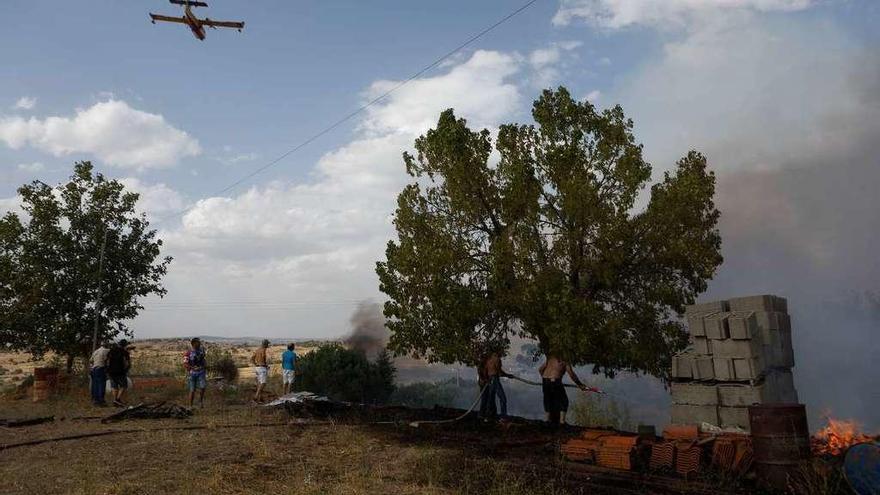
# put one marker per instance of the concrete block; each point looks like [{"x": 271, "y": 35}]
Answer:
[
  {"x": 786, "y": 350},
  {"x": 717, "y": 326},
  {"x": 704, "y": 368},
  {"x": 753, "y": 303},
  {"x": 743, "y": 325},
  {"x": 695, "y": 394},
  {"x": 683, "y": 366},
  {"x": 695, "y": 325},
  {"x": 707, "y": 307},
  {"x": 730, "y": 348},
  {"x": 723, "y": 368},
  {"x": 783, "y": 321},
  {"x": 780, "y": 304},
  {"x": 778, "y": 351},
  {"x": 737, "y": 395},
  {"x": 686, "y": 414},
  {"x": 767, "y": 320},
  {"x": 734, "y": 417},
  {"x": 748, "y": 369},
  {"x": 702, "y": 345},
  {"x": 779, "y": 387}
]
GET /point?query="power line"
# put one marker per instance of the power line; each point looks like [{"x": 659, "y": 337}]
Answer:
[{"x": 363, "y": 107}]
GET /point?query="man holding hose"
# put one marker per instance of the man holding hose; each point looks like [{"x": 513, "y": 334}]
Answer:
[
  {"x": 490, "y": 374},
  {"x": 555, "y": 398}
]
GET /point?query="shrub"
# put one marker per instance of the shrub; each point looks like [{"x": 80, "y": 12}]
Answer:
[
  {"x": 346, "y": 374},
  {"x": 222, "y": 363},
  {"x": 428, "y": 394},
  {"x": 590, "y": 411}
]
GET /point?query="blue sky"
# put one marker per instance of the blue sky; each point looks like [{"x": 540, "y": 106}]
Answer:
[
  {"x": 783, "y": 96},
  {"x": 180, "y": 119}
]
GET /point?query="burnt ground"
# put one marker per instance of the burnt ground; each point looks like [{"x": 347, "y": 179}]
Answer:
[{"x": 228, "y": 447}]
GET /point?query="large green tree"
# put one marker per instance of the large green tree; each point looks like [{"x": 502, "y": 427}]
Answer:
[
  {"x": 548, "y": 240},
  {"x": 80, "y": 255}
]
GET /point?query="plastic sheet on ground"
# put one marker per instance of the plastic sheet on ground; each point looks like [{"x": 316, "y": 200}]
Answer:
[{"x": 297, "y": 398}]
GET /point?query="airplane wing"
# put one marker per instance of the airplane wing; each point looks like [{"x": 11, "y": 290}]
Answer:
[
  {"x": 166, "y": 18},
  {"x": 226, "y": 24}
]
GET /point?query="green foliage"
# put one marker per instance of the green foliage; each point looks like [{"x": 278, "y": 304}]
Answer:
[
  {"x": 221, "y": 363},
  {"x": 430, "y": 394},
  {"x": 548, "y": 243},
  {"x": 593, "y": 412},
  {"x": 49, "y": 264},
  {"x": 346, "y": 374}
]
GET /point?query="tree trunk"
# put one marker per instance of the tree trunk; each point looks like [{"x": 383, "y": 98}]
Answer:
[{"x": 69, "y": 364}]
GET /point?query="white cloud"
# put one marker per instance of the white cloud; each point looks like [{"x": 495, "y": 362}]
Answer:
[
  {"x": 111, "y": 130},
  {"x": 593, "y": 96},
  {"x": 236, "y": 158},
  {"x": 320, "y": 239},
  {"x": 155, "y": 199},
  {"x": 31, "y": 167},
  {"x": 25, "y": 103},
  {"x": 615, "y": 14},
  {"x": 416, "y": 106},
  {"x": 12, "y": 204},
  {"x": 549, "y": 63}
]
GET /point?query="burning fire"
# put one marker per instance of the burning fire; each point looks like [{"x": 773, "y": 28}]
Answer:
[{"x": 837, "y": 436}]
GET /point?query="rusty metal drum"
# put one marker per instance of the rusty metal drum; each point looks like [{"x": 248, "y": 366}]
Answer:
[{"x": 781, "y": 441}]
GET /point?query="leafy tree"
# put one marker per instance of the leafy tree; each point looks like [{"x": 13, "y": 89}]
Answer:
[
  {"x": 346, "y": 374},
  {"x": 548, "y": 242},
  {"x": 221, "y": 362},
  {"x": 52, "y": 270}
]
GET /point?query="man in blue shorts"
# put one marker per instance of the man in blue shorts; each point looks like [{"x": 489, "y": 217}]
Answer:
[
  {"x": 196, "y": 371},
  {"x": 288, "y": 367}
]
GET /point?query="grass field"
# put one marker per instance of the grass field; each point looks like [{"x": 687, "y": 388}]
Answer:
[
  {"x": 266, "y": 454},
  {"x": 155, "y": 357}
]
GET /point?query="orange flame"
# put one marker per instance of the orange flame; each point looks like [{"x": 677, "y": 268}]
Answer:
[{"x": 837, "y": 436}]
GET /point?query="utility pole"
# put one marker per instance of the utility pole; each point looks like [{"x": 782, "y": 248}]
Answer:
[{"x": 100, "y": 286}]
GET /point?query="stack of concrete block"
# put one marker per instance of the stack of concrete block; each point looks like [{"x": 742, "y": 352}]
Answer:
[{"x": 740, "y": 354}]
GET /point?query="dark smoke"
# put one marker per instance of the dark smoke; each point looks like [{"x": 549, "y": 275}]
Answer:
[
  {"x": 368, "y": 334},
  {"x": 810, "y": 231}
]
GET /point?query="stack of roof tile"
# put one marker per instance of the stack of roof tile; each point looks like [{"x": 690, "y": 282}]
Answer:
[
  {"x": 602, "y": 447},
  {"x": 662, "y": 456},
  {"x": 578, "y": 449},
  {"x": 687, "y": 458},
  {"x": 583, "y": 449},
  {"x": 616, "y": 452}
]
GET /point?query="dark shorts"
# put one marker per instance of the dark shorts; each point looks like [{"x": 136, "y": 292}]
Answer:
[
  {"x": 118, "y": 382},
  {"x": 199, "y": 380},
  {"x": 555, "y": 398}
]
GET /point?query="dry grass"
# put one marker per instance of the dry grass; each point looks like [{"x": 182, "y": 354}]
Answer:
[
  {"x": 149, "y": 358},
  {"x": 310, "y": 459}
]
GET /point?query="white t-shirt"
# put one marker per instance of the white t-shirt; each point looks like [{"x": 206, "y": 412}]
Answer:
[{"x": 99, "y": 357}]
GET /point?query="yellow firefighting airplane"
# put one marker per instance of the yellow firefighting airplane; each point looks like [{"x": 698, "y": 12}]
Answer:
[{"x": 195, "y": 24}]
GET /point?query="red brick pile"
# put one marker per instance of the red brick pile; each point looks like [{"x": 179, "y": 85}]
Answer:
[{"x": 683, "y": 450}]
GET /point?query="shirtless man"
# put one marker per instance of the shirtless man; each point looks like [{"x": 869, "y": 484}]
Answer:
[
  {"x": 261, "y": 369},
  {"x": 490, "y": 374},
  {"x": 555, "y": 398}
]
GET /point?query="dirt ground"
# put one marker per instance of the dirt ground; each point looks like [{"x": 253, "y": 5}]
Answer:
[
  {"x": 264, "y": 453},
  {"x": 149, "y": 357},
  {"x": 232, "y": 447}
]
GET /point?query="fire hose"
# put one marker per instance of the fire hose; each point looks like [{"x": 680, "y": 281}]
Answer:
[
  {"x": 593, "y": 390},
  {"x": 415, "y": 424}
]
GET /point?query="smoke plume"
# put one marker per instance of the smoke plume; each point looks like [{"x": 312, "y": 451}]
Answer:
[{"x": 368, "y": 334}]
